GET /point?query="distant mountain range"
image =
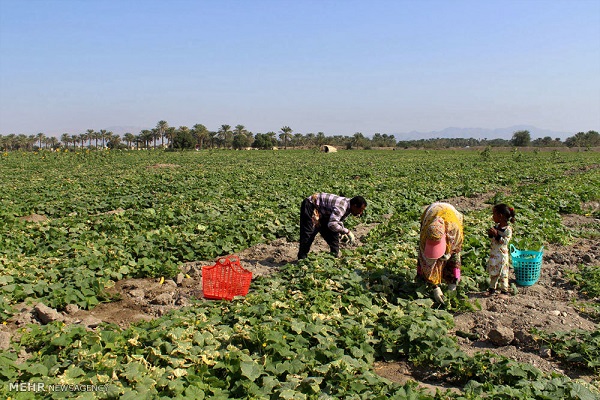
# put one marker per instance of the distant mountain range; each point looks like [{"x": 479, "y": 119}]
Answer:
[{"x": 483, "y": 133}]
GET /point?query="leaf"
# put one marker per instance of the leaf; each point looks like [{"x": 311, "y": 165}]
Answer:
[
  {"x": 5, "y": 279},
  {"x": 581, "y": 392},
  {"x": 193, "y": 392},
  {"x": 37, "y": 370},
  {"x": 251, "y": 370}
]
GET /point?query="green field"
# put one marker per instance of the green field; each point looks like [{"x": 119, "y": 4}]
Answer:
[{"x": 311, "y": 331}]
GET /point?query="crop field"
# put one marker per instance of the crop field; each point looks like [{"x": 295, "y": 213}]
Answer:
[{"x": 75, "y": 224}]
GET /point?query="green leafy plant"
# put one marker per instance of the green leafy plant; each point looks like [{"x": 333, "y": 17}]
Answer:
[{"x": 312, "y": 330}]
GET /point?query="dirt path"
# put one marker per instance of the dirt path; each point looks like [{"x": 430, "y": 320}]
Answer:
[{"x": 145, "y": 299}]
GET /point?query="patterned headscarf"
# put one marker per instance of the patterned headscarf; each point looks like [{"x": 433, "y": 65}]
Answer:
[{"x": 436, "y": 230}]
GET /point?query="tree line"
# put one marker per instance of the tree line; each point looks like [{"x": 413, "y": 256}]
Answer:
[{"x": 238, "y": 137}]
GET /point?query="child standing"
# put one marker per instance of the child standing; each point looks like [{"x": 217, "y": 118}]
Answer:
[{"x": 500, "y": 235}]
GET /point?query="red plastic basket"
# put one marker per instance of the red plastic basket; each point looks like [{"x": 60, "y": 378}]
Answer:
[{"x": 226, "y": 279}]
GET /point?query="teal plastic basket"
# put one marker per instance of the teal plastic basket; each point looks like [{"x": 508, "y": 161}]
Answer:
[{"x": 527, "y": 265}]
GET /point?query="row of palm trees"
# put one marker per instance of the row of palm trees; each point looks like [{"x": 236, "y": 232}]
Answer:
[{"x": 163, "y": 135}]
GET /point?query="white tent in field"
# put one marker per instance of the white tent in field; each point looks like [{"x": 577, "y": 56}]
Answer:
[{"x": 328, "y": 149}]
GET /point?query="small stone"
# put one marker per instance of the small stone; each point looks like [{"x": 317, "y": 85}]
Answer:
[
  {"x": 495, "y": 308},
  {"x": 91, "y": 322},
  {"x": 545, "y": 352},
  {"x": 163, "y": 299},
  {"x": 138, "y": 293},
  {"x": 523, "y": 337},
  {"x": 71, "y": 308},
  {"x": 188, "y": 283},
  {"x": 182, "y": 301},
  {"x": 170, "y": 283},
  {"x": 501, "y": 335},
  {"x": 587, "y": 258},
  {"x": 46, "y": 314},
  {"x": 185, "y": 268},
  {"x": 4, "y": 340}
]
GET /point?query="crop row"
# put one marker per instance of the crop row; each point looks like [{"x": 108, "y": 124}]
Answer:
[{"x": 311, "y": 331}]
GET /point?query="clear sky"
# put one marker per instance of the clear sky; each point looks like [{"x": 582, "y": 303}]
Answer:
[{"x": 332, "y": 66}]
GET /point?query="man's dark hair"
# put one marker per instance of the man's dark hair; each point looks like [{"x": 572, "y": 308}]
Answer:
[{"x": 358, "y": 201}]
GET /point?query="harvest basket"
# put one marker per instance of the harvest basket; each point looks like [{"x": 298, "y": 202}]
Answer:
[
  {"x": 527, "y": 265},
  {"x": 226, "y": 279}
]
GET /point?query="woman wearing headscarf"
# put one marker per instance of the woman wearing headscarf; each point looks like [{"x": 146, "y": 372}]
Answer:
[{"x": 440, "y": 246}]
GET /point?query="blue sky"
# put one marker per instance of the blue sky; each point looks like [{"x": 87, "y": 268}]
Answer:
[{"x": 337, "y": 67}]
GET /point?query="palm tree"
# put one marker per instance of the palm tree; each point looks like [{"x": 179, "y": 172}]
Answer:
[
  {"x": 224, "y": 134},
  {"x": 240, "y": 130},
  {"x": 91, "y": 135},
  {"x": 129, "y": 138},
  {"x": 170, "y": 133},
  {"x": 103, "y": 136},
  {"x": 161, "y": 128},
  {"x": 22, "y": 141},
  {"x": 146, "y": 136},
  {"x": 286, "y": 133},
  {"x": 82, "y": 138},
  {"x": 358, "y": 140},
  {"x": 182, "y": 137},
  {"x": 155, "y": 135},
  {"x": 320, "y": 139},
  {"x": 109, "y": 138},
  {"x": 113, "y": 140},
  {"x": 200, "y": 133},
  {"x": 212, "y": 138},
  {"x": 40, "y": 137},
  {"x": 65, "y": 139},
  {"x": 138, "y": 140},
  {"x": 52, "y": 141},
  {"x": 9, "y": 141},
  {"x": 272, "y": 138},
  {"x": 241, "y": 137},
  {"x": 297, "y": 140}
]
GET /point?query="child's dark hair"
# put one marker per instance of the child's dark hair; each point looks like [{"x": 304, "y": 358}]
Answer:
[{"x": 506, "y": 211}]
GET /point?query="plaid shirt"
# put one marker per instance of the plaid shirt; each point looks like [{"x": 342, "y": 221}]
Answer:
[{"x": 337, "y": 208}]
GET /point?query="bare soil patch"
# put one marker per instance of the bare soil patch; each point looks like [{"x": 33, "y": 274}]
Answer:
[
  {"x": 146, "y": 299},
  {"x": 155, "y": 166},
  {"x": 34, "y": 218}
]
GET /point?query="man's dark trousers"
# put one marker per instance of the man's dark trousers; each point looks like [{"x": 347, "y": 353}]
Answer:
[{"x": 308, "y": 231}]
